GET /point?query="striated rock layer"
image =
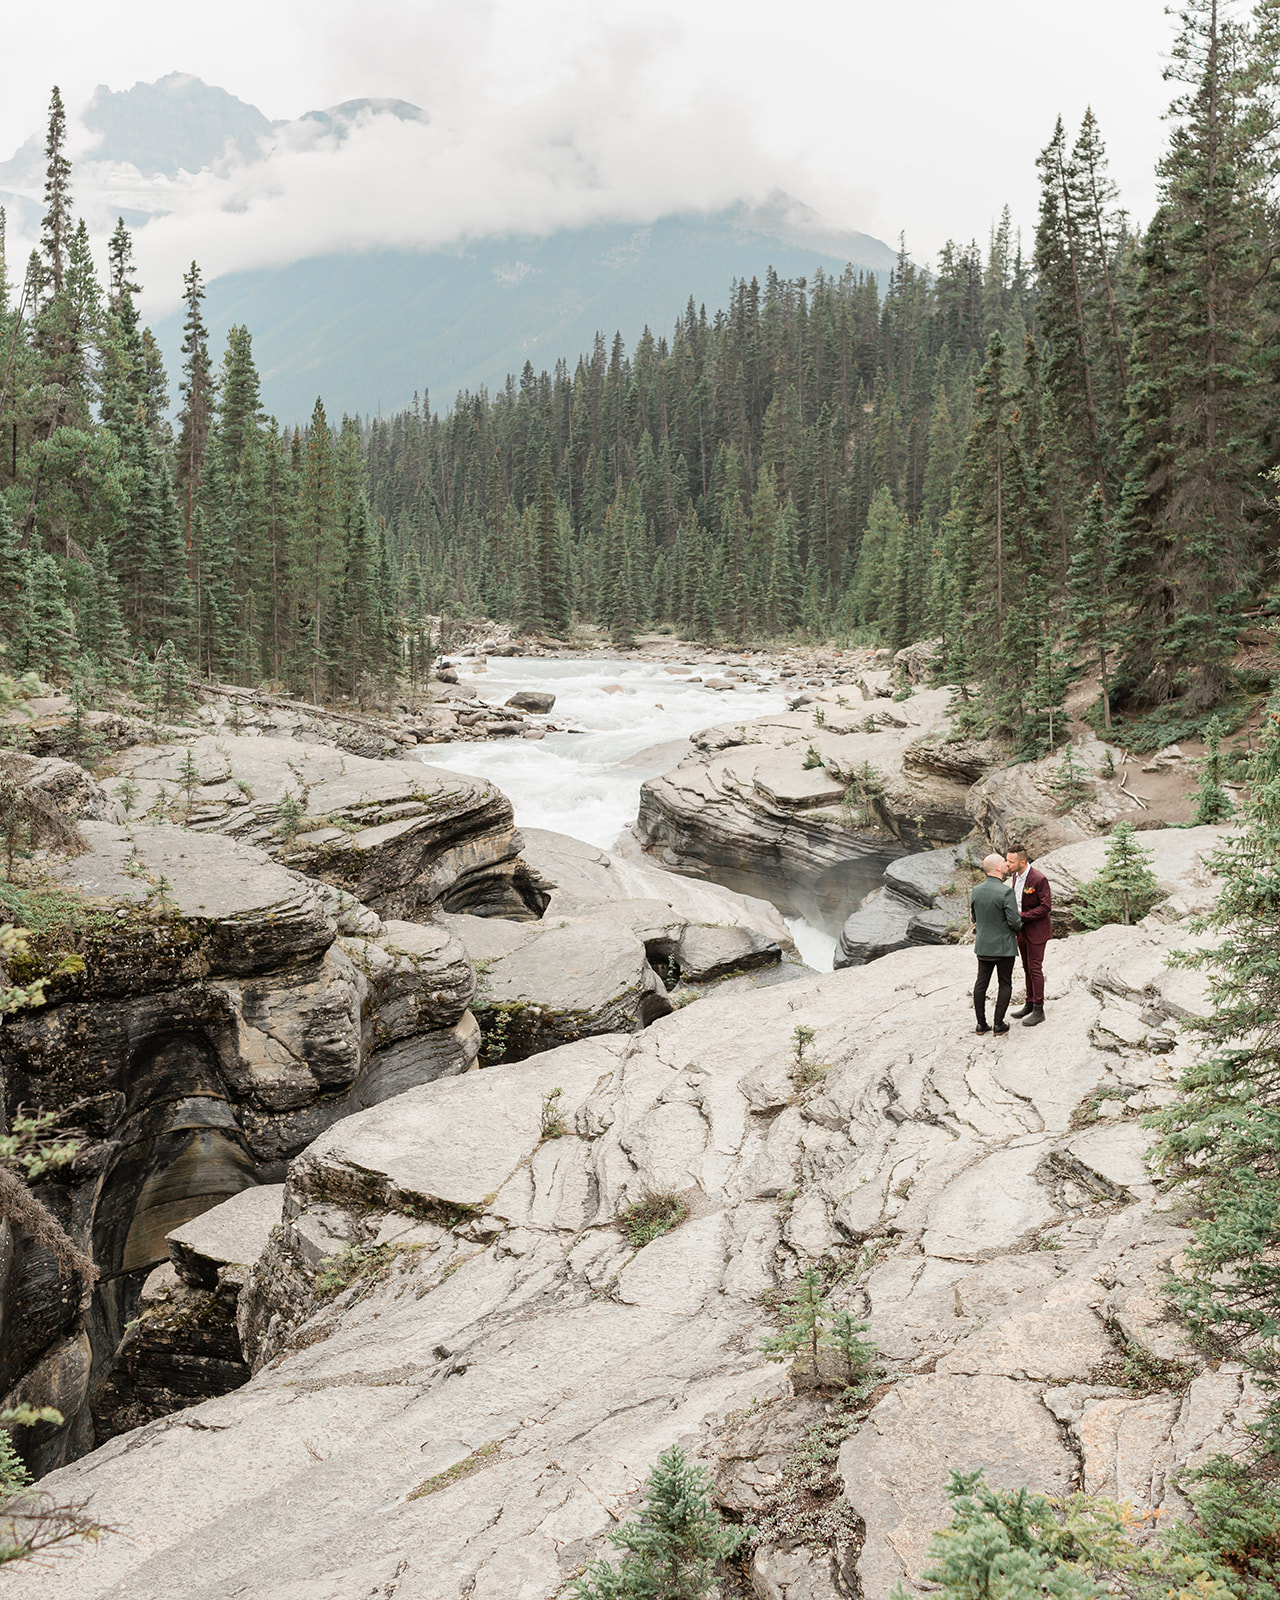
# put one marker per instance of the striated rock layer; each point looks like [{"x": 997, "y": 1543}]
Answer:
[
  {"x": 464, "y": 1372},
  {"x": 809, "y": 807},
  {"x": 406, "y": 840},
  {"x": 222, "y": 1010}
]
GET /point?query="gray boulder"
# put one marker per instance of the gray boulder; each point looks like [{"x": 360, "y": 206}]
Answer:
[
  {"x": 880, "y": 925},
  {"x": 539, "y": 700},
  {"x": 924, "y": 876},
  {"x": 614, "y": 936}
]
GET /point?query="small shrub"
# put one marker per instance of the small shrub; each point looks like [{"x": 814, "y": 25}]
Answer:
[
  {"x": 808, "y": 1505},
  {"x": 801, "y": 1332},
  {"x": 1213, "y": 804},
  {"x": 1140, "y": 1370},
  {"x": 188, "y": 774},
  {"x": 804, "y": 1070},
  {"x": 854, "y": 1353},
  {"x": 651, "y": 1217},
  {"x": 1071, "y": 783},
  {"x": 1016, "y": 1545},
  {"x": 865, "y": 789},
  {"x": 553, "y": 1125},
  {"x": 351, "y": 1265},
  {"x": 292, "y": 813},
  {"x": 127, "y": 792},
  {"x": 811, "y": 759}
]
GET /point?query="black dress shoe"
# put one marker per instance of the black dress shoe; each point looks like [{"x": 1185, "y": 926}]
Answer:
[
  {"x": 1026, "y": 1010},
  {"x": 1000, "y": 1028},
  {"x": 982, "y": 1028},
  {"x": 1034, "y": 1018}
]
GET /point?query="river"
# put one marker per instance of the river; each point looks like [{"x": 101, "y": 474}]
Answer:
[{"x": 587, "y": 785}]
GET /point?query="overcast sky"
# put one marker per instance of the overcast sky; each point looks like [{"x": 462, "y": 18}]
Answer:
[{"x": 922, "y": 118}]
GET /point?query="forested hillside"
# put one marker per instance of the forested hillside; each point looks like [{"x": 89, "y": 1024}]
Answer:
[{"x": 1054, "y": 460}]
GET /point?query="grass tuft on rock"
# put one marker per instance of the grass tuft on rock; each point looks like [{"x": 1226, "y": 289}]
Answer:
[{"x": 651, "y": 1217}]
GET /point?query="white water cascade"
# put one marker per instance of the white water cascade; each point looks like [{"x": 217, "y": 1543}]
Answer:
[{"x": 587, "y": 785}]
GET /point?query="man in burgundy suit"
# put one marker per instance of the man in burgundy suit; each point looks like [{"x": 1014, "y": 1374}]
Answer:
[{"x": 1035, "y": 900}]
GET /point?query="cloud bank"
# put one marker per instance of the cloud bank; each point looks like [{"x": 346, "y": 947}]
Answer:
[
  {"x": 554, "y": 113},
  {"x": 603, "y": 131}
]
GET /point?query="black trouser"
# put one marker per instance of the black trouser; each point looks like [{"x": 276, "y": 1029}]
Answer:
[{"x": 1003, "y": 967}]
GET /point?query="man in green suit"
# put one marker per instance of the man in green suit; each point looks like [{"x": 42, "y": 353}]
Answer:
[{"x": 996, "y": 922}]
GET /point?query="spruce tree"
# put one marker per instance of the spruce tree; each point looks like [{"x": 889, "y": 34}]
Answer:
[
  {"x": 57, "y": 225},
  {"x": 196, "y": 387},
  {"x": 1090, "y": 599},
  {"x": 553, "y": 600},
  {"x": 674, "y": 1547},
  {"x": 1212, "y": 803},
  {"x": 1221, "y": 1135},
  {"x": 1196, "y": 437},
  {"x": 1126, "y": 888},
  {"x": 316, "y": 552}
]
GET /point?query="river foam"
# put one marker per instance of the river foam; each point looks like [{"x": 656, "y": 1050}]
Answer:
[{"x": 636, "y": 717}]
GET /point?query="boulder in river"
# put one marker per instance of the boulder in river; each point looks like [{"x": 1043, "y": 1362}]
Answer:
[
  {"x": 539, "y": 700},
  {"x": 615, "y": 937}
]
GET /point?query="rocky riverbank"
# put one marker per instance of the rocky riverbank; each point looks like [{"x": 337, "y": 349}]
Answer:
[
  {"x": 817, "y": 801},
  {"x": 463, "y": 1367}
]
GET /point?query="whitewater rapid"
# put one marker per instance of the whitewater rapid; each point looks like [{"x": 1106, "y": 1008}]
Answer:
[{"x": 638, "y": 718}]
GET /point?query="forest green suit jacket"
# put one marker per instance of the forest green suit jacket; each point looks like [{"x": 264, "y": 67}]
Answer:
[{"x": 994, "y": 908}]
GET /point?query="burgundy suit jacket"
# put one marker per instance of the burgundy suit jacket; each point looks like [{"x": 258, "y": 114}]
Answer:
[{"x": 1037, "y": 904}]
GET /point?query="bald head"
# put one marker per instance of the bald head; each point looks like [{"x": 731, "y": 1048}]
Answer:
[{"x": 994, "y": 866}]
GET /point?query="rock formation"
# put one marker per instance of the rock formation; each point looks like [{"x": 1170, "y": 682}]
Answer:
[
  {"x": 223, "y": 1007},
  {"x": 618, "y": 945},
  {"x": 816, "y": 802},
  {"x": 221, "y": 1010},
  {"x": 923, "y": 900},
  {"x": 464, "y": 1369},
  {"x": 403, "y": 839}
]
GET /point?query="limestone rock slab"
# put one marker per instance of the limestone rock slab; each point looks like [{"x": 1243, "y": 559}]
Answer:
[
  {"x": 233, "y": 1233},
  {"x": 896, "y": 1467},
  {"x": 453, "y": 1142}
]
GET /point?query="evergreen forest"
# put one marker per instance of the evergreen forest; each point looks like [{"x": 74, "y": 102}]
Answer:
[{"x": 1054, "y": 459}]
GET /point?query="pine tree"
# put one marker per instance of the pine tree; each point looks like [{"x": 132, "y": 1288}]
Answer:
[
  {"x": 1090, "y": 601},
  {"x": 46, "y": 628},
  {"x": 196, "y": 388},
  {"x": 674, "y": 1548},
  {"x": 553, "y": 600},
  {"x": 1221, "y": 1135},
  {"x": 56, "y": 228},
  {"x": 802, "y": 1320},
  {"x": 1125, "y": 889},
  {"x": 101, "y": 626},
  {"x": 1192, "y": 493},
  {"x": 316, "y": 551},
  {"x": 1213, "y": 804},
  {"x": 873, "y": 576}
]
